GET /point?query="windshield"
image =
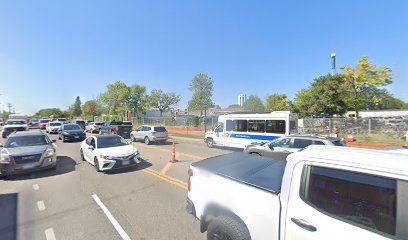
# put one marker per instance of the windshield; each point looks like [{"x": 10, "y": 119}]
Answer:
[
  {"x": 80, "y": 122},
  {"x": 15, "y": 122},
  {"x": 127, "y": 123},
  {"x": 55, "y": 124},
  {"x": 72, "y": 127},
  {"x": 115, "y": 123},
  {"x": 44, "y": 121},
  {"x": 25, "y": 141},
  {"x": 113, "y": 141}
]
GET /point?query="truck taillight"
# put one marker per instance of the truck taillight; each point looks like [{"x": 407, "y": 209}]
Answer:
[
  {"x": 190, "y": 173},
  {"x": 153, "y": 133}
]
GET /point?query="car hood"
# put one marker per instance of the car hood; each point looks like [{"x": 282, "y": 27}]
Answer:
[
  {"x": 15, "y": 125},
  {"x": 74, "y": 131},
  {"x": 27, "y": 150},
  {"x": 117, "y": 151}
]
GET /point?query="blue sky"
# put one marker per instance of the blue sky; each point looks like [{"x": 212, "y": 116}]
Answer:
[{"x": 53, "y": 51}]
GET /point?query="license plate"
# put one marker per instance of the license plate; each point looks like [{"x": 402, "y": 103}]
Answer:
[
  {"x": 125, "y": 162},
  {"x": 28, "y": 166},
  {"x": 76, "y": 136}
]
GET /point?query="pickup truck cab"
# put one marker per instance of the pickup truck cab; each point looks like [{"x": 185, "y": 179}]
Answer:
[
  {"x": 322, "y": 192},
  {"x": 116, "y": 127}
]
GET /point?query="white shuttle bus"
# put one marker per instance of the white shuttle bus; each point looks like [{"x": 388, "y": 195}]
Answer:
[{"x": 238, "y": 130}]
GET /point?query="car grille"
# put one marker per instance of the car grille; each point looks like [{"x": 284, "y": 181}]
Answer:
[{"x": 27, "y": 158}]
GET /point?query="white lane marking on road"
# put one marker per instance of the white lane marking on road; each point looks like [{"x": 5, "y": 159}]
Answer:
[
  {"x": 41, "y": 205},
  {"x": 112, "y": 219},
  {"x": 49, "y": 234},
  {"x": 36, "y": 187}
]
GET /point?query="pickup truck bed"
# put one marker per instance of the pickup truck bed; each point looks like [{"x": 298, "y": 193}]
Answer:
[{"x": 252, "y": 170}]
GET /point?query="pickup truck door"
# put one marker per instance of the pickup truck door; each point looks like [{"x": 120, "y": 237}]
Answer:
[
  {"x": 339, "y": 203},
  {"x": 218, "y": 136}
]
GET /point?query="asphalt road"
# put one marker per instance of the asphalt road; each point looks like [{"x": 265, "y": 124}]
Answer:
[{"x": 76, "y": 202}]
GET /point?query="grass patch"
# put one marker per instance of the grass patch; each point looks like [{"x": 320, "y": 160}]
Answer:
[{"x": 378, "y": 138}]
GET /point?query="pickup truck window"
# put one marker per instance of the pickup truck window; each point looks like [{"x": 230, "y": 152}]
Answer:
[{"x": 364, "y": 200}]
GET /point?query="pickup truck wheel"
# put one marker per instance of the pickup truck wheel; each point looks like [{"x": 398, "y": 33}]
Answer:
[
  {"x": 210, "y": 142},
  {"x": 227, "y": 228},
  {"x": 147, "y": 140}
]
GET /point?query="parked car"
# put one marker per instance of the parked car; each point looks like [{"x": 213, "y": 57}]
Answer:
[
  {"x": 27, "y": 151},
  {"x": 116, "y": 127},
  {"x": 322, "y": 192},
  {"x": 149, "y": 134},
  {"x": 53, "y": 127},
  {"x": 13, "y": 125},
  {"x": 42, "y": 123},
  {"x": 280, "y": 148},
  {"x": 80, "y": 123},
  {"x": 93, "y": 126},
  {"x": 34, "y": 123},
  {"x": 71, "y": 132},
  {"x": 108, "y": 152}
]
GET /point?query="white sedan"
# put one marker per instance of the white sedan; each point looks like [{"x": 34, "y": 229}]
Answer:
[{"x": 108, "y": 152}]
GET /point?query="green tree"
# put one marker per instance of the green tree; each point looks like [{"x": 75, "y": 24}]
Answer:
[
  {"x": 361, "y": 84},
  {"x": 254, "y": 104},
  {"x": 391, "y": 102},
  {"x": 202, "y": 86},
  {"x": 324, "y": 95},
  {"x": 76, "y": 108},
  {"x": 234, "y": 106},
  {"x": 163, "y": 101},
  {"x": 91, "y": 108},
  {"x": 138, "y": 100},
  {"x": 47, "y": 112},
  {"x": 115, "y": 97},
  {"x": 277, "y": 102}
]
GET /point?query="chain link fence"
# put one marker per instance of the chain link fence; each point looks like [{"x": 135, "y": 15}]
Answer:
[{"x": 393, "y": 127}]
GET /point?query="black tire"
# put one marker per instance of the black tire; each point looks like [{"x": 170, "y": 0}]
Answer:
[
  {"x": 132, "y": 138},
  {"x": 82, "y": 155},
  {"x": 162, "y": 141},
  {"x": 96, "y": 164},
  {"x": 59, "y": 137},
  {"x": 210, "y": 142},
  {"x": 147, "y": 140},
  {"x": 227, "y": 228}
]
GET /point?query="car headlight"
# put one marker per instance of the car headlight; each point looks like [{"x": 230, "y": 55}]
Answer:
[
  {"x": 4, "y": 156},
  {"x": 49, "y": 153},
  {"x": 104, "y": 157}
]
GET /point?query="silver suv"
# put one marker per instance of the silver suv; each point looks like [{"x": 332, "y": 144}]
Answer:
[
  {"x": 149, "y": 134},
  {"x": 280, "y": 148},
  {"x": 27, "y": 151}
]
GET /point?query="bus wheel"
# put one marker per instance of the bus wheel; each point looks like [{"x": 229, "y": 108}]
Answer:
[{"x": 210, "y": 142}]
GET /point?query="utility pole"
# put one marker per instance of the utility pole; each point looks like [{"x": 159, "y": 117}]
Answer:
[{"x": 9, "y": 105}]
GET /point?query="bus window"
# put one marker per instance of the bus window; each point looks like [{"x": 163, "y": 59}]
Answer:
[
  {"x": 240, "y": 125},
  {"x": 229, "y": 126},
  {"x": 276, "y": 126},
  {"x": 256, "y": 126}
]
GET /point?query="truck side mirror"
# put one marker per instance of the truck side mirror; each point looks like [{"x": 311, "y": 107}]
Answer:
[{"x": 271, "y": 146}]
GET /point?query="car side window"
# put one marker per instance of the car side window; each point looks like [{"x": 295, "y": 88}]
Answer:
[
  {"x": 363, "y": 200},
  {"x": 93, "y": 142},
  {"x": 148, "y": 129},
  {"x": 284, "y": 143},
  {"x": 88, "y": 141},
  {"x": 301, "y": 143},
  {"x": 318, "y": 143}
]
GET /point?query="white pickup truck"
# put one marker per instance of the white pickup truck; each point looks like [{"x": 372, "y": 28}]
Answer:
[{"x": 320, "y": 193}]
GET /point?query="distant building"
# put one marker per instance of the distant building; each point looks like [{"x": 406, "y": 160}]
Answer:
[{"x": 241, "y": 99}]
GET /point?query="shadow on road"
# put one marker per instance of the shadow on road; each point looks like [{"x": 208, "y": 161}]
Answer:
[
  {"x": 8, "y": 220},
  {"x": 65, "y": 165},
  {"x": 142, "y": 165}
]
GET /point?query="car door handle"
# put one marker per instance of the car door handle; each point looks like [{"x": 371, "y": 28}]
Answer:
[{"x": 304, "y": 224}]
